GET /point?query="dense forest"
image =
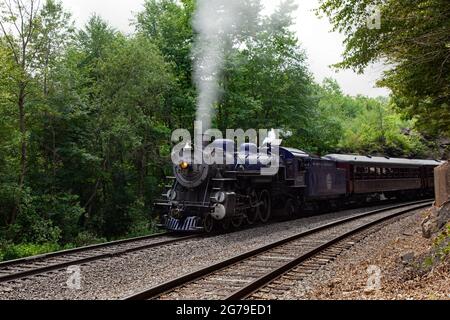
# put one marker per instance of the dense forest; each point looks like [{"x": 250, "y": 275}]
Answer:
[{"x": 86, "y": 115}]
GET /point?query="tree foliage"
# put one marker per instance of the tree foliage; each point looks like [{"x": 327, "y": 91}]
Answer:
[
  {"x": 168, "y": 24},
  {"x": 266, "y": 83},
  {"x": 414, "y": 39}
]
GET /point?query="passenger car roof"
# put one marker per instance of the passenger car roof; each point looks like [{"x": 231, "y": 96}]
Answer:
[{"x": 356, "y": 159}]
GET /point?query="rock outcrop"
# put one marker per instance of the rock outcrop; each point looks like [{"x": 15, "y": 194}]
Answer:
[{"x": 436, "y": 219}]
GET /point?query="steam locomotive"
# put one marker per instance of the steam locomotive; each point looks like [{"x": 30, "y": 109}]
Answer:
[{"x": 203, "y": 198}]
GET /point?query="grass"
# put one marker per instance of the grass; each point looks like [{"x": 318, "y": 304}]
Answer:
[{"x": 10, "y": 251}]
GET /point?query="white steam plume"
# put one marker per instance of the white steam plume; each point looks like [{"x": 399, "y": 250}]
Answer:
[{"x": 216, "y": 22}]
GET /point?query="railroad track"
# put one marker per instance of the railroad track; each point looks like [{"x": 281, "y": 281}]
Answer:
[
  {"x": 39, "y": 265},
  {"x": 270, "y": 270}
]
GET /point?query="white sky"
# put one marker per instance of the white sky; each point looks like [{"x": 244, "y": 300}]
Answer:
[{"x": 323, "y": 47}]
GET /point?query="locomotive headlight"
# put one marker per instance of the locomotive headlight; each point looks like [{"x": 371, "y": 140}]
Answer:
[
  {"x": 220, "y": 197},
  {"x": 184, "y": 165}
]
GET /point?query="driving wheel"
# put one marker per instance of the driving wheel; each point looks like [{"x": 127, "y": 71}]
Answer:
[{"x": 265, "y": 207}]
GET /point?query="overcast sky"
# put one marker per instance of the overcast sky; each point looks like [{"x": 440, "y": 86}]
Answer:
[{"x": 323, "y": 47}]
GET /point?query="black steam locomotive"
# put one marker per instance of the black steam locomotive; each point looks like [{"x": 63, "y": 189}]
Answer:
[{"x": 204, "y": 197}]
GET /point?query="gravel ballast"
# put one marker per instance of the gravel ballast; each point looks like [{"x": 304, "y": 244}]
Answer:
[
  {"x": 122, "y": 276},
  {"x": 395, "y": 255}
]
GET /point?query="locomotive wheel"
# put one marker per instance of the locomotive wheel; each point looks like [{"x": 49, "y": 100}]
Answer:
[
  {"x": 237, "y": 222},
  {"x": 208, "y": 224},
  {"x": 265, "y": 208},
  {"x": 290, "y": 209},
  {"x": 253, "y": 213}
]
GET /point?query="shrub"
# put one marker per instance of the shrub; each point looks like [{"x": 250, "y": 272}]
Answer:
[
  {"x": 442, "y": 243},
  {"x": 87, "y": 238},
  {"x": 140, "y": 222},
  {"x": 11, "y": 252},
  {"x": 64, "y": 211},
  {"x": 30, "y": 226}
]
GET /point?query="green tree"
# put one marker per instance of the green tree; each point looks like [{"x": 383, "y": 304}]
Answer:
[
  {"x": 36, "y": 38},
  {"x": 9, "y": 136},
  {"x": 19, "y": 24},
  {"x": 55, "y": 34},
  {"x": 266, "y": 83},
  {"x": 363, "y": 125},
  {"x": 134, "y": 85},
  {"x": 168, "y": 24},
  {"x": 111, "y": 121},
  {"x": 54, "y": 37},
  {"x": 413, "y": 40}
]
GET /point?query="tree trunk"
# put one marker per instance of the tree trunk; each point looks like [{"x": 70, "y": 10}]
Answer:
[
  {"x": 23, "y": 152},
  {"x": 23, "y": 132},
  {"x": 142, "y": 172}
]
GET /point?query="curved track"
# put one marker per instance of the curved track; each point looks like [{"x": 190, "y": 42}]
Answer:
[
  {"x": 243, "y": 276},
  {"x": 23, "y": 268}
]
